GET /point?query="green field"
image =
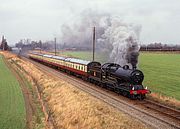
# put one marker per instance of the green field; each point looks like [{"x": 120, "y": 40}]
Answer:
[
  {"x": 86, "y": 55},
  {"x": 12, "y": 106},
  {"x": 162, "y": 70},
  {"x": 162, "y": 73}
]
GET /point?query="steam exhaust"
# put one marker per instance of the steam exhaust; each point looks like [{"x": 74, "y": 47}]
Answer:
[{"x": 114, "y": 36}]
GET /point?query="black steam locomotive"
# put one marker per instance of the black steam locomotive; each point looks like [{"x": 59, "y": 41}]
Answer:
[{"x": 122, "y": 80}]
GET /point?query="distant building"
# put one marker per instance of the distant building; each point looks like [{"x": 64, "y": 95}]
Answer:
[{"x": 3, "y": 44}]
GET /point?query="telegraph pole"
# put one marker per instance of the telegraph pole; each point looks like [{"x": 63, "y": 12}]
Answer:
[
  {"x": 94, "y": 40},
  {"x": 55, "y": 45},
  {"x": 40, "y": 43},
  {"x": 3, "y": 42}
]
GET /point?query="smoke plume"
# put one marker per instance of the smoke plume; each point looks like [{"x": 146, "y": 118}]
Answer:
[{"x": 113, "y": 35}]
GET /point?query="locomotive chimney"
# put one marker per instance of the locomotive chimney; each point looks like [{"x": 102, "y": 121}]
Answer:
[
  {"x": 134, "y": 59},
  {"x": 134, "y": 67}
]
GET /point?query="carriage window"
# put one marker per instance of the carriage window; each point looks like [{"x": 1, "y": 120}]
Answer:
[{"x": 85, "y": 69}]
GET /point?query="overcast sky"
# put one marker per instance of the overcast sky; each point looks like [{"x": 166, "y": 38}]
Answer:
[{"x": 42, "y": 19}]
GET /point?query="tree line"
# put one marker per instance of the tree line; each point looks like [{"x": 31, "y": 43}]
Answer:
[
  {"x": 49, "y": 45},
  {"x": 160, "y": 47}
]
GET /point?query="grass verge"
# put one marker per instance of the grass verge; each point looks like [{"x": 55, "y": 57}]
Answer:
[{"x": 37, "y": 121}]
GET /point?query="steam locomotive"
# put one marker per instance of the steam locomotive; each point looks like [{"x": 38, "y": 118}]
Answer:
[{"x": 122, "y": 80}]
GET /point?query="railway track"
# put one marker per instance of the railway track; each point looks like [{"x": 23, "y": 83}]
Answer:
[
  {"x": 170, "y": 112},
  {"x": 153, "y": 114}
]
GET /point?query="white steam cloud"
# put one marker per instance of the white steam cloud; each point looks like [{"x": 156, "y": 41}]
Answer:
[{"x": 118, "y": 38}]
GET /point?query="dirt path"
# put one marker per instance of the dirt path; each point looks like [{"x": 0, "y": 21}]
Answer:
[{"x": 28, "y": 98}]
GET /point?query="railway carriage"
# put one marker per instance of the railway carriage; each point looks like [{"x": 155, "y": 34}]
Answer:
[
  {"x": 35, "y": 56},
  {"x": 71, "y": 65}
]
